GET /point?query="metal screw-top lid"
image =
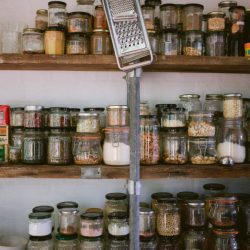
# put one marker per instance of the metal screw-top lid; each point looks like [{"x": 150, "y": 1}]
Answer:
[
  {"x": 57, "y": 2},
  {"x": 98, "y": 109},
  {"x": 216, "y": 14},
  {"x": 33, "y": 108},
  {"x": 117, "y": 107},
  {"x": 228, "y": 4},
  {"x": 189, "y": 96},
  {"x": 230, "y": 95},
  {"x": 187, "y": 195},
  {"x": 67, "y": 204},
  {"x": 146, "y": 211},
  {"x": 116, "y": 196},
  {"x": 73, "y": 211},
  {"x": 196, "y": 203},
  {"x": 44, "y": 209},
  {"x": 158, "y": 195},
  {"x": 87, "y": 114},
  {"x": 91, "y": 216},
  {"x": 39, "y": 216}
]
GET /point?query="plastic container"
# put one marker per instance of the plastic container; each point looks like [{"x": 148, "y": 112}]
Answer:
[
  {"x": 117, "y": 115},
  {"x": 193, "y": 43},
  {"x": 168, "y": 16},
  {"x": 78, "y": 44},
  {"x": 91, "y": 224},
  {"x": 215, "y": 43},
  {"x": 33, "y": 41},
  {"x": 68, "y": 221},
  {"x": 79, "y": 22},
  {"x": 57, "y": 14}
]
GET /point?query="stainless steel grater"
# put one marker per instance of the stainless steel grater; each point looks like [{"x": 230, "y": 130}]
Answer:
[{"x": 128, "y": 33}]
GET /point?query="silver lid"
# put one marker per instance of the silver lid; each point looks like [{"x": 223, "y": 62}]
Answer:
[
  {"x": 189, "y": 96},
  {"x": 33, "y": 108},
  {"x": 117, "y": 107},
  {"x": 73, "y": 211},
  {"x": 87, "y": 114},
  {"x": 227, "y": 4},
  {"x": 216, "y": 13},
  {"x": 196, "y": 203},
  {"x": 146, "y": 210},
  {"x": 233, "y": 95},
  {"x": 214, "y": 97}
]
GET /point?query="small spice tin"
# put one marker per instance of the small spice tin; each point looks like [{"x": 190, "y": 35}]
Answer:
[{"x": 79, "y": 22}]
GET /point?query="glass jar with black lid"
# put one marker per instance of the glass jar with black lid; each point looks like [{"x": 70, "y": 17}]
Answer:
[
  {"x": 17, "y": 117},
  {"x": 118, "y": 224},
  {"x": 195, "y": 214},
  {"x": 67, "y": 204},
  {"x": 69, "y": 242},
  {"x": 159, "y": 195},
  {"x": 91, "y": 243},
  {"x": 38, "y": 243}
]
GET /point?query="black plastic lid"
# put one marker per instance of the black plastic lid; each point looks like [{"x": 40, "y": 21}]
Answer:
[
  {"x": 118, "y": 215},
  {"x": 40, "y": 238},
  {"x": 55, "y": 28},
  {"x": 39, "y": 215},
  {"x": 158, "y": 195},
  {"x": 148, "y": 5},
  {"x": 148, "y": 116},
  {"x": 167, "y": 200},
  {"x": 161, "y": 106},
  {"x": 43, "y": 209},
  {"x": 193, "y": 4},
  {"x": 91, "y": 216},
  {"x": 75, "y": 109},
  {"x": 66, "y": 237},
  {"x": 214, "y": 186},
  {"x": 147, "y": 239},
  {"x": 116, "y": 196},
  {"x": 166, "y": 5},
  {"x": 119, "y": 238},
  {"x": 17, "y": 109},
  {"x": 57, "y": 2},
  {"x": 67, "y": 204},
  {"x": 187, "y": 195},
  {"x": 100, "y": 109},
  {"x": 153, "y": 2}
]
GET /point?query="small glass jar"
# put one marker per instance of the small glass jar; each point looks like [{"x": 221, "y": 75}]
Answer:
[
  {"x": 101, "y": 42},
  {"x": 224, "y": 6},
  {"x": 100, "y": 21},
  {"x": 101, "y": 113},
  {"x": 192, "y": 43},
  {"x": 59, "y": 118},
  {"x": 88, "y": 123},
  {"x": 148, "y": 243},
  {"x": 148, "y": 13},
  {"x": 79, "y": 22},
  {"x": 170, "y": 43},
  {"x": 156, "y": 196},
  {"x": 54, "y": 41},
  {"x": 192, "y": 16},
  {"x": 216, "y": 21},
  {"x": 147, "y": 222},
  {"x": 202, "y": 150},
  {"x": 87, "y": 149},
  {"x": 201, "y": 124},
  {"x": 168, "y": 16},
  {"x": 233, "y": 106},
  {"x": 69, "y": 242},
  {"x": 168, "y": 243},
  {"x": 168, "y": 218},
  {"x": 73, "y": 114},
  {"x": 174, "y": 144},
  {"x": 44, "y": 209},
  {"x": 33, "y": 116},
  {"x": 40, "y": 224},
  {"x": 144, "y": 108},
  {"x": 33, "y": 41},
  {"x": 91, "y": 243},
  {"x": 38, "y": 243},
  {"x": 237, "y": 18},
  {"x": 57, "y": 14},
  {"x": 190, "y": 102},
  {"x": 78, "y": 44},
  {"x": 149, "y": 140},
  {"x": 17, "y": 117},
  {"x": 117, "y": 243},
  {"x": 117, "y": 115},
  {"x": 173, "y": 118},
  {"x": 68, "y": 221},
  {"x": 41, "y": 19},
  {"x": 33, "y": 147},
  {"x": 160, "y": 109},
  {"x": 214, "y": 103},
  {"x": 118, "y": 224},
  {"x": 16, "y": 137},
  {"x": 91, "y": 224},
  {"x": 154, "y": 41},
  {"x": 215, "y": 43},
  {"x": 59, "y": 147},
  {"x": 116, "y": 147},
  {"x": 195, "y": 215}
]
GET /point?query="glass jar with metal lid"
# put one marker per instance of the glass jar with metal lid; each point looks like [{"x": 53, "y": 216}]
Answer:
[
  {"x": 148, "y": 243},
  {"x": 237, "y": 18},
  {"x": 54, "y": 41},
  {"x": 69, "y": 242},
  {"x": 190, "y": 102},
  {"x": 168, "y": 16},
  {"x": 73, "y": 114},
  {"x": 88, "y": 123},
  {"x": 214, "y": 102},
  {"x": 87, "y": 149},
  {"x": 100, "y": 111},
  {"x": 40, "y": 224},
  {"x": 195, "y": 214},
  {"x": 78, "y": 44},
  {"x": 170, "y": 43},
  {"x": 147, "y": 222},
  {"x": 149, "y": 140},
  {"x": 156, "y": 196},
  {"x": 117, "y": 115},
  {"x": 16, "y": 137},
  {"x": 118, "y": 224},
  {"x": 224, "y": 6},
  {"x": 41, "y": 19},
  {"x": 161, "y": 107},
  {"x": 91, "y": 243},
  {"x": 79, "y": 22},
  {"x": 91, "y": 224},
  {"x": 117, "y": 243},
  {"x": 100, "y": 21},
  {"x": 216, "y": 21},
  {"x": 59, "y": 117},
  {"x": 233, "y": 106},
  {"x": 57, "y": 14},
  {"x": 68, "y": 221},
  {"x": 33, "y": 147},
  {"x": 215, "y": 43},
  {"x": 154, "y": 41},
  {"x": 193, "y": 43},
  {"x": 33, "y": 41},
  {"x": 17, "y": 117},
  {"x": 148, "y": 13},
  {"x": 173, "y": 118},
  {"x": 33, "y": 116},
  {"x": 101, "y": 42},
  {"x": 67, "y": 204},
  {"x": 38, "y": 243}
]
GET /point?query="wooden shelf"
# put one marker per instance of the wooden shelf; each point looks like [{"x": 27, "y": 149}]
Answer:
[
  {"x": 122, "y": 172},
  {"x": 108, "y": 63}
]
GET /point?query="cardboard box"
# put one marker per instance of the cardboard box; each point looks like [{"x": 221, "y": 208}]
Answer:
[{"x": 3, "y": 153}]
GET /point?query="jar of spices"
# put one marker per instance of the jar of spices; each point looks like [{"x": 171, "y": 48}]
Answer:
[
  {"x": 160, "y": 109},
  {"x": 68, "y": 221},
  {"x": 33, "y": 147},
  {"x": 59, "y": 118},
  {"x": 41, "y": 19},
  {"x": 91, "y": 224},
  {"x": 148, "y": 243},
  {"x": 170, "y": 43},
  {"x": 91, "y": 243},
  {"x": 118, "y": 224},
  {"x": 154, "y": 41},
  {"x": 54, "y": 41},
  {"x": 193, "y": 43},
  {"x": 148, "y": 13},
  {"x": 69, "y": 242},
  {"x": 173, "y": 118},
  {"x": 78, "y": 44},
  {"x": 195, "y": 213},
  {"x": 57, "y": 14},
  {"x": 116, "y": 147},
  {"x": 40, "y": 224},
  {"x": 215, "y": 43},
  {"x": 156, "y": 196},
  {"x": 168, "y": 218},
  {"x": 117, "y": 243},
  {"x": 233, "y": 106},
  {"x": 17, "y": 117},
  {"x": 192, "y": 17},
  {"x": 149, "y": 140},
  {"x": 38, "y": 243},
  {"x": 101, "y": 42},
  {"x": 88, "y": 123},
  {"x": 216, "y": 21},
  {"x": 224, "y": 6},
  {"x": 33, "y": 41},
  {"x": 33, "y": 116},
  {"x": 237, "y": 18},
  {"x": 101, "y": 113},
  {"x": 79, "y": 22},
  {"x": 214, "y": 102},
  {"x": 147, "y": 222},
  {"x": 117, "y": 115},
  {"x": 87, "y": 149},
  {"x": 202, "y": 150},
  {"x": 100, "y": 21},
  {"x": 168, "y": 16},
  {"x": 190, "y": 102},
  {"x": 73, "y": 114},
  {"x": 16, "y": 137}
]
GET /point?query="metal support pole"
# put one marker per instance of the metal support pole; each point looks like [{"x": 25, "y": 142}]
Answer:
[{"x": 133, "y": 83}]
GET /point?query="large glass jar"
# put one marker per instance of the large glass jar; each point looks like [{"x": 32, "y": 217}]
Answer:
[
  {"x": 156, "y": 196},
  {"x": 54, "y": 41},
  {"x": 58, "y": 118},
  {"x": 40, "y": 224},
  {"x": 68, "y": 221},
  {"x": 57, "y": 14},
  {"x": 118, "y": 224},
  {"x": 237, "y": 18},
  {"x": 88, "y": 123},
  {"x": 216, "y": 21},
  {"x": 78, "y": 44},
  {"x": 116, "y": 147},
  {"x": 91, "y": 243},
  {"x": 193, "y": 43},
  {"x": 190, "y": 102},
  {"x": 232, "y": 140},
  {"x": 148, "y": 244},
  {"x": 168, "y": 16},
  {"x": 148, "y": 12},
  {"x": 168, "y": 218},
  {"x": 117, "y": 115},
  {"x": 100, "y": 21},
  {"x": 170, "y": 43},
  {"x": 215, "y": 43},
  {"x": 33, "y": 147},
  {"x": 33, "y": 116},
  {"x": 117, "y": 243},
  {"x": 214, "y": 102},
  {"x": 38, "y": 243},
  {"x": 59, "y": 147},
  {"x": 101, "y": 112},
  {"x": 195, "y": 214},
  {"x": 147, "y": 222},
  {"x": 168, "y": 243},
  {"x": 17, "y": 117},
  {"x": 33, "y": 41},
  {"x": 41, "y": 19},
  {"x": 91, "y": 224},
  {"x": 233, "y": 106},
  {"x": 173, "y": 118},
  {"x": 154, "y": 41},
  {"x": 149, "y": 140},
  {"x": 79, "y": 22},
  {"x": 69, "y": 242},
  {"x": 87, "y": 149},
  {"x": 101, "y": 42}
]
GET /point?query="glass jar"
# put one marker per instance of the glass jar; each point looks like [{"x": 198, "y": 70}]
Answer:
[
  {"x": 204, "y": 24},
  {"x": 214, "y": 102},
  {"x": 237, "y": 18},
  {"x": 192, "y": 17},
  {"x": 233, "y": 106},
  {"x": 215, "y": 43},
  {"x": 148, "y": 13},
  {"x": 86, "y": 6},
  {"x": 87, "y": 149},
  {"x": 33, "y": 116},
  {"x": 118, "y": 224},
  {"x": 224, "y": 212},
  {"x": 69, "y": 242},
  {"x": 168, "y": 218},
  {"x": 59, "y": 118},
  {"x": 148, "y": 244},
  {"x": 79, "y": 22},
  {"x": 17, "y": 117},
  {"x": 91, "y": 243},
  {"x": 33, "y": 147},
  {"x": 78, "y": 44},
  {"x": 14, "y": 154},
  {"x": 160, "y": 109},
  {"x": 216, "y": 21},
  {"x": 144, "y": 108},
  {"x": 224, "y": 6},
  {"x": 38, "y": 243},
  {"x": 154, "y": 41},
  {"x": 192, "y": 43},
  {"x": 195, "y": 214},
  {"x": 116, "y": 147},
  {"x": 68, "y": 221},
  {"x": 16, "y": 138},
  {"x": 73, "y": 114},
  {"x": 67, "y": 204},
  {"x": 190, "y": 102},
  {"x": 57, "y": 14},
  {"x": 117, "y": 115},
  {"x": 168, "y": 16},
  {"x": 54, "y": 41},
  {"x": 100, "y": 21},
  {"x": 232, "y": 140},
  {"x": 147, "y": 222},
  {"x": 41, "y": 19},
  {"x": 174, "y": 144},
  {"x": 170, "y": 43},
  {"x": 40, "y": 224},
  {"x": 88, "y": 123},
  {"x": 33, "y": 41},
  {"x": 91, "y": 224},
  {"x": 168, "y": 243},
  {"x": 149, "y": 140},
  {"x": 101, "y": 112},
  {"x": 179, "y": 9},
  {"x": 117, "y": 243},
  {"x": 173, "y": 118},
  {"x": 202, "y": 150},
  {"x": 59, "y": 147},
  {"x": 156, "y": 196},
  {"x": 101, "y": 42}
]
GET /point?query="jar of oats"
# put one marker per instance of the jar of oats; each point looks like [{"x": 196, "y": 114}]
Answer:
[{"x": 233, "y": 106}]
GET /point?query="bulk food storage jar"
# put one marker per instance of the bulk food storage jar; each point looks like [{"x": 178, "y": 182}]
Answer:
[
  {"x": 66, "y": 242},
  {"x": 78, "y": 44},
  {"x": 17, "y": 117},
  {"x": 93, "y": 243},
  {"x": 214, "y": 102},
  {"x": 79, "y": 22},
  {"x": 216, "y": 21},
  {"x": 38, "y": 243},
  {"x": 33, "y": 41},
  {"x": 33, "y": 116},
  {"x": 170, "y": 43},
  {"x": 101, "y": 113},
  {"x": 88, "y": 123},
  {"x": 118, "y": 224},
  {"x": 91, "y": 224},
  {"x": 41, "y": 19},
  {"x": 117, "y": 115},
  {"x": 148, "y": 13},
  {"x": 160, "y": 109},
  {"x": 232, "y": 106},
  {"x": 156, "y": 196},
  {"x": 100, "y": 43},
  {"x": 224, "y": 6},
  {"x": 168, "y": 16},
  {"x": 173, "y": 118},
  {"x": 147, "y": 222},
  {"x": 215, "y": 43},
  {"x": 68, "y": 221},
  {"x": 54, "y": 41},
  {"x": 57, "y": 14},
  {"x": 193, "y": 43},
  {"x": 59, "y": 118},
  {"x": 190, "y": 102},
  {"x": 195, "y": 214}
]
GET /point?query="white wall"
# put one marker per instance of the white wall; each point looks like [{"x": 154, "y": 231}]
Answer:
[{"x": 81, "y": 89}]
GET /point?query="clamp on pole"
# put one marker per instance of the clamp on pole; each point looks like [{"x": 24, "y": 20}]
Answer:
[{"x": 134, "y": 187}]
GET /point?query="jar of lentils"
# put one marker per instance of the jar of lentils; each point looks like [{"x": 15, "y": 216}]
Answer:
[
  {"x": 33, "y": 116},
  {"x": 91, "y": 243},
  {"x": 59, "y": 118},
  {"x": 42, "y": 19},
  {"x": 69, "y": 242},
  {"x": 88, "y": 123},
  {"x": 232, "y": 106},
  {"x": 17, "y": 117},
  {"x": 147, "y": 222},
  {"x": 33, "y": 41},
  {"x": 57, "y": 14}
]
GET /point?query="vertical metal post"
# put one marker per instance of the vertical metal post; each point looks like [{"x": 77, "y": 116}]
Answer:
[{"x": 133, "y": 83}]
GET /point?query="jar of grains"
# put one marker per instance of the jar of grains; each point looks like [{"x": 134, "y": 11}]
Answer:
[
  {"x": 149, "y": 140},
  {"x": 215, "y": 43},
  {"x": 168, "y": 16},
  {"x": 117, "y": 243},
  {"x": 168, "y": 218},
  {"x": 33, "y": 116},
  {"x": 33, "y": 41},
  {"x": 17, "y": 117},
  {"x": 87, "y": 149},
  {"x": 101, "y": 112},
  {"x": 69, "y": 242},
  {"x": 78, "y": 44},
  {"x": 91, "y": 243},
  {"x": 214, "y": 102},
  {"x": 38, "y": 243},
  {"x": 154, "y": 41},
  {"x": 91, "y": 224},
  {"x": 117, "y": 115},
  {"x": 148, "y": 13},
  {"x": 57, "y": 14},
  {"x": 79, "y": 22},
  {"x": 148, "y": 243},
  {"x": 156, "y": 196},
  {"x": 170, "y": 43},
  {"x": 68, "y": 221},
  {"x": 59, "y": 118},
  {"x": 192, "y": 43},
  {"x": 88, "y": 123},
  {"x": 233, "y": 106},
  {"x": 42, "y": 19},
  {"x": 190, "y": 102},
  {"x": 216, "y": 21},
  {"x": 101, "y": 42},
  {"x": 73, "y": 114},
  {"x": 147, "y": 222},
  {"x": 118, "y": 224},
  {"x": 173, "y": 118},
  {"x": 100, "y": 21},
  {"x": 40, "y": 224},
  {"x": 195, "y": 213}
]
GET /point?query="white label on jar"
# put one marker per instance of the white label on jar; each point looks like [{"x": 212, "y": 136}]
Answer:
[{"x": 40, "y": 227}]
